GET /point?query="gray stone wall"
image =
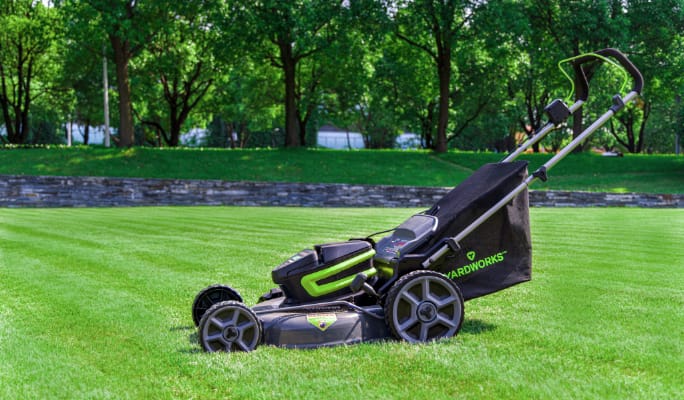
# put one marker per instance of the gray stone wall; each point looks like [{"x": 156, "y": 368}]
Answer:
[{"x": 50, "y": 191}]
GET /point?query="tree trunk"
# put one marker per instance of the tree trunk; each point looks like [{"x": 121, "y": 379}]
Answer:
[
  {"x": 86, "y": 133},
  {"x": 24, "y": 110},
  {"x": 174, "y": 131},
  {"x": 302, "y": 122},
  {"x": 16, "y": 111},
  {"x": 289, "y": 64},
  {"x": 642, "y": 127},
  {"x": 122, "y": 56},
  {"x": 444, "y": 68},
  {"x": 427, "y": 132}
]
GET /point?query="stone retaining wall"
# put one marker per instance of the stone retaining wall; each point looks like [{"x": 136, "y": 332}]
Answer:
[{"x": 49, "y": 191}]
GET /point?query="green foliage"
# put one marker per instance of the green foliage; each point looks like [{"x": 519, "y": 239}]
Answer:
[
  {"x": 465, "y": 74},
  {"x": 96, "y": 304},
  {"x": 29, "y": 62},
  {"x": 178, "y": 70}
]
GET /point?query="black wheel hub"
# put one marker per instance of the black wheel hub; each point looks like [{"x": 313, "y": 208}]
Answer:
[
  {"x": 231, "y": 333},
  {"x": 427, "y": 312}
]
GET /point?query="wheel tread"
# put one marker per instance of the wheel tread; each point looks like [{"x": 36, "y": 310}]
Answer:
[{"x": 396, "y": 293}]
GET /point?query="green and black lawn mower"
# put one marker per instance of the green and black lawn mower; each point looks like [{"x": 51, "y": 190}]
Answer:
[{"x": 412, "y": 283}]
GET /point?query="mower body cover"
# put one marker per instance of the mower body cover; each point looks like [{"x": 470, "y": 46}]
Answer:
[
  {"x": 319, "y": 325},
  {"x": 325, "y": 271}
]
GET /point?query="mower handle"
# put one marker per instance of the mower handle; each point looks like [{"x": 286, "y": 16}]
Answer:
[{"x": 582, "y": 82}]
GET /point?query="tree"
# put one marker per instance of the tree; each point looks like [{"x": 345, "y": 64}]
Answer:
[
  {"x": 128, "y": 25},
  {"x": 654, "y": 44},
  {"x": 28, "y": 36},
  {"x": 533, "y": 78},
  {"x": 578, "y": 27},
  {"x": 342, "y": 94},
  {"x": 285, "y": 33},
  {"x": 403, "y": 86},
  {"x": 247, "y": 103},
  {"x": 81, "y": 76},
  {"x": 180, "y": 68},
  {"x": 434, "y": 27}
]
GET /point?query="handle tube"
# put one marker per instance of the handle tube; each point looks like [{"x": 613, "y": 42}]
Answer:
[
  {"x": 540, "y": 134},
  {"x": 539, "y": 174}
]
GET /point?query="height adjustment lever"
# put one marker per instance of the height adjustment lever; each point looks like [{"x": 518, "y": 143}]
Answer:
[{"x": 541, "y": 174}]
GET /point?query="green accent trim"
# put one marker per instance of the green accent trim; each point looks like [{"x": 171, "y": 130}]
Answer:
[
  {"x": 385, "y": 271},
  {"x": 619, "y": 67},
  {"x": 310, "y": 281}
]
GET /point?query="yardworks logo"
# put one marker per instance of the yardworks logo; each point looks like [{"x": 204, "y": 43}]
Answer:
[
  {"x": 476, "y": 265},
  {"x": 471, "y": 255}
]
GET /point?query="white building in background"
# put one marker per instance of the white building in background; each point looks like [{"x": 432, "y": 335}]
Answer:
[
  {"x": 328, "y": 136},
  {"x": 335, "y": 138},
  {"x": 195, "y": 137},
  {"x": 96, "y": 134},
  {"x": 408, "y": 140}
]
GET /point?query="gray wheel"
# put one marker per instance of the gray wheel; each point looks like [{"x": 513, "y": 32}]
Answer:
[
  {"x": 229, "y": 326},
  {"x": 423, "y": 306},
  {"x": 209, "y": 296}
]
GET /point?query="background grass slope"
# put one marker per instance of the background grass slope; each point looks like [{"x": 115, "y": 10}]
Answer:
[
  {"x": 632, "y": 173},
  {"x": 95, "y": 303}
]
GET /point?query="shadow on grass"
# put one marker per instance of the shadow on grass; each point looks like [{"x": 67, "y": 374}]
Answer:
[
  {"x": 476, "y": 327},
  {"x": 469, "y": 327},
  {"x": 181, "y": 328},
  {"x": 193, "y": 338}
]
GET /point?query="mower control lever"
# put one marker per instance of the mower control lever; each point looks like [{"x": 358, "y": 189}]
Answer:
[{"x": 359, "y": 283}]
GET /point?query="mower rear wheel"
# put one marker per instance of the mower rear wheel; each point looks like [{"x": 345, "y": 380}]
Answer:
[
  {"x": 229, "y": 326},
  {"x": 423, "y": 306},
  {"x": 209, "y": 296}
]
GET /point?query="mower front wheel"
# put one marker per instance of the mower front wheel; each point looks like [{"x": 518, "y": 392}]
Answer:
[
  {"x": 423, "y": 306},
  {"x": 229, "y": 326},
  {"x": 209, "y": 296}
]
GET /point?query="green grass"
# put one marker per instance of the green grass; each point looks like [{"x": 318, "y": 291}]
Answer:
[
  {"x": 95, "y": 303},
  {"x": 632, "y": 173}
]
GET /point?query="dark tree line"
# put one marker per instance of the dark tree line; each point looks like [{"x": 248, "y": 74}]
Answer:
[{"x": 471, "y": 74}]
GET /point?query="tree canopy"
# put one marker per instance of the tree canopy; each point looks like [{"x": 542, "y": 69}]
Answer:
[{"x": 467, "y": 74}]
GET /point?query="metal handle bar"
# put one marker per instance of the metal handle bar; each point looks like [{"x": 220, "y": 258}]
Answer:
[
  {"x": 619, "y": 101},
  {"x": 582, "y": 92},
  {"x": 453, "y": 243}
]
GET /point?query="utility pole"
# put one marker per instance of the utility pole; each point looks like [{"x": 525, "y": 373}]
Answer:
[
  {"x": 106, "y": 96},
  {"x": 68, "y": 130}
]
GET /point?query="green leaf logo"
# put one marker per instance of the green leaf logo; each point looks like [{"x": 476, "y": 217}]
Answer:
[
  {"x": 321, "y": 321},
  {"x": 471, "y": 255}
]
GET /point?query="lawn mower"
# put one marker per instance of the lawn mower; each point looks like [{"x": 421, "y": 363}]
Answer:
[{"x": 412, "y": 283}]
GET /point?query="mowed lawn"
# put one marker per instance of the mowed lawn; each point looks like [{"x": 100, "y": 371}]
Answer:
[{"x": 95, "y": 303}]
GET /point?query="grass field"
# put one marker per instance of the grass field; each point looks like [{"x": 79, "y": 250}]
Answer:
[
  {"x": 95, "y": 303},
  {"x": 632, "y": 173}
]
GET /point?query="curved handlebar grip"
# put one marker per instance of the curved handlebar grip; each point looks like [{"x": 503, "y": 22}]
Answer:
[
  {"x": 631, "y": 69},
  {"x": 608, "y": 52}
]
